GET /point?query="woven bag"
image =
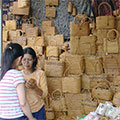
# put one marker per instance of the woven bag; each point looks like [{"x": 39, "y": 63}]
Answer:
[
  {"x": 32, "y": 32},
  {"x": 30, "y": 41},
  {"x": 105, "y": 22},
  {"x": 84, "y": 45},
  {"x": 85, "y": 82},
  {"x": 71, "y": 84},
  {"x": 54, "y": 40},
  {"x": 51, "y": 30},
  {"x": 79, "y": 29},
  {"x": 23, "y": 3},
  {"x": 58, "y": 101},
  {"x": 51, "y": 2},
  {"x": 98, "y": 79},
  {"x": 70, "y": 7},
  {"x": 39, "y": 50},
  {"x": 39, "y": 41},
  {"x": 111, "y": 43},
  {"x": 46, "y": 24},
  {"x": 28, "y": 23},
  {"x": 5, "y": 35},
  {"x": 93, "y": 65},
  {"x": 50, "y": 12},
  {"x": 73, "y": 64},
  {"x": 116, "y": 80},
  {"x": 10, "y": 25},
  {"x": 101, "y": 34},
  {"x": 20, "y": 38},
  {"x": 41, "y": 62},
  {"x": 49, "y": 113},
  {"x": 74, "y": 11},
  {"x": 54, "y": 68},
  {"x": 102, "y": 92},
  {"x": 54, "y": 83},
  {"x": 117, "y": 23},
  {"x": 73, "y": 101},
  {"x": 20, "y": 11},
  {"x": 52, "y": 51},
  {"x": 116, "y": 99},
  {"x": 88, "y": 106},
  {"x": 111, "y": 64}
]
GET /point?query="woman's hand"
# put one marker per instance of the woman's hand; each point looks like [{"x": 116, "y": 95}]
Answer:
[{"x": 30, "y": 83}]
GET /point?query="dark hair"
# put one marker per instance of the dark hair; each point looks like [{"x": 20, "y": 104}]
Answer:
[
  {"x": 31, "y": 51},
  {"x": 11, "y": 53}
]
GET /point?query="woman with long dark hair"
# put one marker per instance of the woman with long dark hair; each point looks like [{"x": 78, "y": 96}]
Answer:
[
  {"x": 36, "y": 84},
  {"x": 13, "y": 102}
]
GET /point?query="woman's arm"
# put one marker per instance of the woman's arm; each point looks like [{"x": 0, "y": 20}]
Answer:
[
  {"x": 42, "y": 83},
  {"x": 23, "y": 101}
]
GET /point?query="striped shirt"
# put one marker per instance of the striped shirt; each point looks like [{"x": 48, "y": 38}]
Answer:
[{"x": 9, "y": 103}]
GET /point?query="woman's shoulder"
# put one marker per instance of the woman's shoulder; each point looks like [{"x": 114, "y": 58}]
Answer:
[
  {"x": 39, "y": 72},
  {"x": 14, "y": 71}
]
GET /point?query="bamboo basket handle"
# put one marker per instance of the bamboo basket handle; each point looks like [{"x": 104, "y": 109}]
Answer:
[
  {"x": 34, "y": 19},
  {"x": 52, "y": 41},
  {"x": 26, "y": 20},
  {"x": 81, "y": 18},
  {"x": 106, "y": 3},
  {"x": 117, "y": 35},
  {"x": 101, "y": 86},
  {"x": 53, "y": 94}
]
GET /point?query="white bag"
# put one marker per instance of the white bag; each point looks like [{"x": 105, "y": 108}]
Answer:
[
  {"x": 91, "y": 116},
  {"x": 101, "y": 109},
  {"x": 114, "y": 113}
]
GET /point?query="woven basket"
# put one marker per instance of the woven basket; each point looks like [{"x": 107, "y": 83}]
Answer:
[
  {"x": 46, "y": 24},
  {"x": 73, "y": 101},
  {"x": 39, "y": 41},
  {"x": 52, "y": 51},
  {"x": 5, "y": 35},
  {"x": 58, "y": 101},
  {"x": 23, "y": 3},
  {"x": 88, "y": 106},
  {"x": 71, "y": 84},
  {"x": 20, "y": 11},
  {"x": 98, "y": 79},
  {"x": 116, "y": 99},
  {"x": 74, "y": 11},
  {"x": 79, "y": 29},
  {"x": 117, "y": 23},
  {"x": 93, "y": 65},
  {"x": 49, "y": 113},
  {"x": 85, "y": 82},
  {"x": 54, "y": 40},
  {"x": 54, "y": 68},
  {"x": 70, "y": 7},
  {"x": 51, "y": 2},
  {"x": 111, "y": 43},
  {"x": 105, "y": 22},
  {"x": 84, "y": 45},
  {"x": 73, "y": 64},
  {"x": 111, "y": 64},
  {"x": 102, "y": 92},
  {"x": 54, "y": 83},
  {"x": 116, "y": 80},
  {"x": 101, "y": 34},
  {"x": 50, "y": 12},
  {"x": 51, "y": 30},
  {"x": 10, "y": 25}
]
